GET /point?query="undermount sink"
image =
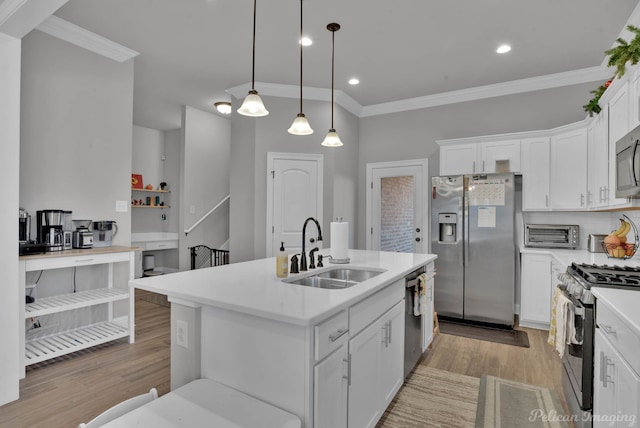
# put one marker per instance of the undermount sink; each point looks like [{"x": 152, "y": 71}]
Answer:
[{"x": 335, "y": 278}]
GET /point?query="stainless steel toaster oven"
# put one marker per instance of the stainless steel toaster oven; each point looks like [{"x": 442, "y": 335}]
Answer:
[{"x": 552, "y": 235}]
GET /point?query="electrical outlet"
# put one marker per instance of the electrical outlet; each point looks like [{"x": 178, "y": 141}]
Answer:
[
  {"x": 121, "y": 206},
  {"x": 182, "y": 333}
]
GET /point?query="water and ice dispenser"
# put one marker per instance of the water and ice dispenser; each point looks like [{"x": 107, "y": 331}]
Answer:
[{"x": 447, "y": 227}]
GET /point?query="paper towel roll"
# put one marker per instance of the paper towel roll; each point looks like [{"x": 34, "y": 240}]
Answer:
[{"x": 339, "y": 240}]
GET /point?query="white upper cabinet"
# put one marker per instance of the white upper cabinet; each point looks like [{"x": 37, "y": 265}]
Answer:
[
  {"x": 458, "y": 159},
  {"x": 619, "y": 123},
  {"x": 598, "y": 155},
  {"x": 569, "y": 170},
  {"x": 478, "y": 157},
  {"x": 536, "y": 154}
]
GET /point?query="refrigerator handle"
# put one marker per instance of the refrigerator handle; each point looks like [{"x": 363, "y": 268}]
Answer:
[{"x": 465, "y": 230}]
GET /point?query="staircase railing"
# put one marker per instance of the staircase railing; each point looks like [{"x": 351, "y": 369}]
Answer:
[{"x": 218, "y": 205}]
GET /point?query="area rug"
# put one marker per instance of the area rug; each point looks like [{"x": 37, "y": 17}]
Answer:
[
  {"x": 433, "y": 398},
  {"x": 508, "y": 404},
  {"x": 490, "y": 334}
]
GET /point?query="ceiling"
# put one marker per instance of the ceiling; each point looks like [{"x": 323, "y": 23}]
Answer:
[{"x": 193, "y": 51}]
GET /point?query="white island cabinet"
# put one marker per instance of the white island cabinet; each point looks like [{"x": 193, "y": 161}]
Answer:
[
  {"x": 333, "y": 357},
  {"x": 616, "y": 390}
]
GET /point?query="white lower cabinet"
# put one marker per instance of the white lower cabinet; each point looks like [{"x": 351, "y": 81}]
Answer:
[
  {"x": 536, "y": 291},
  {"x": 616, "y": 383},
  {"x": 330, "y": 380},
  {"x": 616, "y": 386},
  {"x": 377, "y": 369}
]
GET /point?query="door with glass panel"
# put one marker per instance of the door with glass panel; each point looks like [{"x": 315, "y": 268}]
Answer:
[{"x": 397, "y": 207}]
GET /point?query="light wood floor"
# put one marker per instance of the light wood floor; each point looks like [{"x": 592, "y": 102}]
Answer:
[{"x": 75, "y": 388}]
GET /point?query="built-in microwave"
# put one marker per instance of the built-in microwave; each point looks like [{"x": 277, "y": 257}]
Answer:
[{"x": 628, "y": 165}]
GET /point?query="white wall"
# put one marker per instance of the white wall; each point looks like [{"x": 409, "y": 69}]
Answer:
[
  {"x": 253, "y": 138},
  {"x": 76, "y": 132},
  {"x": 205, "y": 179},
  {"x": 9, "y": 171}
]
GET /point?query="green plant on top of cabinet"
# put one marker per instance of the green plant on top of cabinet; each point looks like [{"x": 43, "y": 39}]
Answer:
[{"x": 478, "y": 156}]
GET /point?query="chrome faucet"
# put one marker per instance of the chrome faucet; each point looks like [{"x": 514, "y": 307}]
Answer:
[{"x": 303, "y": 256}]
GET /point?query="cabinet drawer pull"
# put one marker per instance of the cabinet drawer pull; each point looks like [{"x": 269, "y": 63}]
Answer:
[
  {"x": 84, "y": 260},
  {"x": 338, "y": 334},
  {"x": 608, "y": 329}
]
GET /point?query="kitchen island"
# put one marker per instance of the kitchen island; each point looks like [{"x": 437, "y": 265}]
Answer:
[{"x": 307, "y": 350}]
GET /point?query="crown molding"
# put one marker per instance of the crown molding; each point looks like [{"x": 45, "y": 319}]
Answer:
[
  {"x": 8, "y": 8},
  {"x": 548, "y": 81},
  {"x": 568, "y": 78},
  {"x": 78, "y": 36}
]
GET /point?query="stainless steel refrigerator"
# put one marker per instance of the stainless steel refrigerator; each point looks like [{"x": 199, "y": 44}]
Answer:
[{"x": 473, "y": 234}]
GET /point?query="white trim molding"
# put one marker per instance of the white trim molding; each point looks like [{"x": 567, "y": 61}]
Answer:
[
  {"x": 549, "y": 81},
  {"x": 78, "y": 36}
]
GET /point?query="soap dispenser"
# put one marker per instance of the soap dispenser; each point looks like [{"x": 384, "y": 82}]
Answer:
[{"x": 282, "y": 263}]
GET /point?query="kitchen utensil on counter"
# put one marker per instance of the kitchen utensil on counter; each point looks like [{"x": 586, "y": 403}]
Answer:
[
  {"x": 50, "y": 229},
  {"x": 82, "y": 236},
  {"x": 103, "y": 232},
  {"x": 594, "y": 243},
  {"x": 24, "y": 226}
]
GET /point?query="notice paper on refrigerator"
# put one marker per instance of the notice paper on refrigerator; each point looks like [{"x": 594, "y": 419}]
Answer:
[
  {"x": 487, "y": 192},
  {"x": 486, "y": 216}
]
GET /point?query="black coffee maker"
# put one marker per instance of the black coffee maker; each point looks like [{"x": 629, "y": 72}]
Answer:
[{"x": 49, "y": 229}]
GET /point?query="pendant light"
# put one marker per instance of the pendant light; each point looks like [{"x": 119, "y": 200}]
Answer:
[
  {"x": 300, "y": 125},
  {"x": 332, "y": 139},
  {"x": 252, "y": 105}
]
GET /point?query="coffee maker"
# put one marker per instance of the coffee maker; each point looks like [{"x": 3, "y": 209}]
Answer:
[{"x": 50, "y": 229}]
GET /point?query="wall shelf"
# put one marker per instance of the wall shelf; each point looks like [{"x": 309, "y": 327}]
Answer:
[
  {"x": 150, "y": 206},
  {"x": 151, "y": 191}
]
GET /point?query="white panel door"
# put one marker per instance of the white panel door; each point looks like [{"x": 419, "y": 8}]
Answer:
[{"x": 294, "y": 193}]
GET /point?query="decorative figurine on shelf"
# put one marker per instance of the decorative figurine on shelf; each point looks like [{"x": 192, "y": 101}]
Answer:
[
  {"x": 163, "y": 185},
  {"x": 149, "y": 187}
]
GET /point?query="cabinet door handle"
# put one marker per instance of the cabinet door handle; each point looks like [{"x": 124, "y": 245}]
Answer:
[
  {"x": 482, "y": 166},
  {"x": 604, "y": 369},
  {"x": 338, "y": 334},
  {"x": 389, "y": 331},
  {"x": 348, "y": 376},
  {"x": 474, "y": 166},
  {"x": 546, "y": 201},
  {"x": 608, "y": 329},
  {"x": 582, "y": 199},
  {"x": 385, "y": 329}
]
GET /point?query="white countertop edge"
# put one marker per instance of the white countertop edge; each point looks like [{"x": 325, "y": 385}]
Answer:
[
  {"x": 336, "y": 300},
  {"x": 154, "y": 236},
  {"x": 623, "y": 302}
]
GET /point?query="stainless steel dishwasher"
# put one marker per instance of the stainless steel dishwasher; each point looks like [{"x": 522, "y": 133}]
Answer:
[{"x": 412, "y": 323}]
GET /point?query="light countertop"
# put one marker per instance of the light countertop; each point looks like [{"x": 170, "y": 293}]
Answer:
[
  {"x": 566, "y": 257},
  {"x": 253, "y": 288},
  {"x": 624, "y": 302}
]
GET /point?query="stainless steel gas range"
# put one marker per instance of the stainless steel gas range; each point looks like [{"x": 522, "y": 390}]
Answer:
[{"x": 577, "y": 360}]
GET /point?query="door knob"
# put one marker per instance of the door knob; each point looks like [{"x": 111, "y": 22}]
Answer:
[
  {"x": 418, "y": 229},
  {"x": 418, "y": 239}
]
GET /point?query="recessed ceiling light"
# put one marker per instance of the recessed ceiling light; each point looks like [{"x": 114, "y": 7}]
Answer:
[
  {"x": 503, "y": 49},
  {"x": 353, "y": 81},
  {"x": 223, "y": 107},
  {"x": 306, "y": 41}
]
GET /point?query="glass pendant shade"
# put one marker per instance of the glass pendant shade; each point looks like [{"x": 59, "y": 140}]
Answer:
[
  {"x": 332, "y": 139},
  {"x": 300, "y": 126},
  {"x": 253, "y": 105}
]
